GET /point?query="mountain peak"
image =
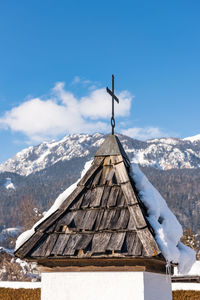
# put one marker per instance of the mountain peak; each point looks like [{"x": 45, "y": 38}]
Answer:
[
  {"x": 163, "y": 153},
  {"x": 194, "y": 138},
  {"x": 46, "y": 154}
]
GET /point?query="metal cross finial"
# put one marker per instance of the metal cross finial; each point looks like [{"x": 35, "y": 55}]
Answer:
[{"x": 113, "y": 98}]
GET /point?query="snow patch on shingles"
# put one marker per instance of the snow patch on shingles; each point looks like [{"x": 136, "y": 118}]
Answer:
[
  {"x": 60, "y": 199},
  {"x": 167, "y": 229}
]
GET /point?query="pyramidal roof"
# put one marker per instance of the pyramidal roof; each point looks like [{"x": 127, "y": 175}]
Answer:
[
  {"x": 102, "y": 218},
  {"x": 111, "y": 147}
]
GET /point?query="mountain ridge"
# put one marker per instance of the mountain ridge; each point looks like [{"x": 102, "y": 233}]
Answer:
[
  {"x": 172, "y": 166},
  {"x": 194, "y": 138},
  {"x": 163, "y": 153}
]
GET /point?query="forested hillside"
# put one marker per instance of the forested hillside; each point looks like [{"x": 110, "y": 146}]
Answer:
[{"x": 179, "y": 186}]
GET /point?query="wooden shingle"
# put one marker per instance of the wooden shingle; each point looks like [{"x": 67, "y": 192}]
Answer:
[{"x": 103, "y": 216}]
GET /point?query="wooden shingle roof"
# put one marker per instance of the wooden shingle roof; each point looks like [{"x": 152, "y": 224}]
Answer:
[{"x": 102, "y": 218}]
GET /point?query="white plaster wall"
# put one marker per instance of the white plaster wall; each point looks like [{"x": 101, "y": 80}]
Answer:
[
  {"x": 157, "y": 286},
  {"x": 105, "y": 286}
]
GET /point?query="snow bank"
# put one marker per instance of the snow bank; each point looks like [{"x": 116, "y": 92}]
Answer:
[
  {"x": 168, "y": 230},
  {"x": 186, "y": 286},
  {"x": 37, "y": 285},
  {"x": 61, "y": 198},
  {"x": 20, "y": 285}
]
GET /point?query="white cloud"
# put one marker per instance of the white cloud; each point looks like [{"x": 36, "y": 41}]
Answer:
[
  {"x": 98, "y": 104},
  {"x": 63, "y": 113},
  {"x": 144, "y": 133}
]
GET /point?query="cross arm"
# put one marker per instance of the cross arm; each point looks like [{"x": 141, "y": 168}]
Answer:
[{"x": 112, "y": 94}]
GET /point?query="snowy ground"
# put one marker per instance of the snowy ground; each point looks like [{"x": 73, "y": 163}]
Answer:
[
  {"x": 194, "y": 271},
  {"x": 35, "y": 285},
  {"x": 20, "y": 284},
  {"x": 185, "y": 286}
]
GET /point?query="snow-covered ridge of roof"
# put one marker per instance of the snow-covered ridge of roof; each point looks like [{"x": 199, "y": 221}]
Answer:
[
  {"x": 168, "y": 230},
  {"x": 60, "y": 199}
]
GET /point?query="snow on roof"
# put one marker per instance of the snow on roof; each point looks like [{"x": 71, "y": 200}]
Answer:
[
  {"x": 168, "y": 230},
  {"x": 194, "y": 271},
  {"x": 60, "y": 199}
]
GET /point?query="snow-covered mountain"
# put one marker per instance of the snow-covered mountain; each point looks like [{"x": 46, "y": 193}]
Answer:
[
  {"x": 164, "y": 153},
  {"x": 40, "y": 173},
  {"x": 36, "y": 158},
  {"x": 194, "y": 138}
]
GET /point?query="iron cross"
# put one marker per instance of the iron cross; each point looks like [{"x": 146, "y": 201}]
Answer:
[{"x": 113, "y": 98}]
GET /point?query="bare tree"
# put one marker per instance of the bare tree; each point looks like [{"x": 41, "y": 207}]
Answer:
[{"x": 27, "y": 213}]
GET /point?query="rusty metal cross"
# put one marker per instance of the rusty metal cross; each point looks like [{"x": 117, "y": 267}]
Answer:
[{"x": 113, "y": 98}]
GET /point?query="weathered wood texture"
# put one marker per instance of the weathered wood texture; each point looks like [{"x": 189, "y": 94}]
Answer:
[
  {"x": 102, "y": 217},
  {"x": 102, "y": 264}
]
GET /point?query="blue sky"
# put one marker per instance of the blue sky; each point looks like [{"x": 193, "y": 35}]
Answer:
[{"x": 56, "y": 57}]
